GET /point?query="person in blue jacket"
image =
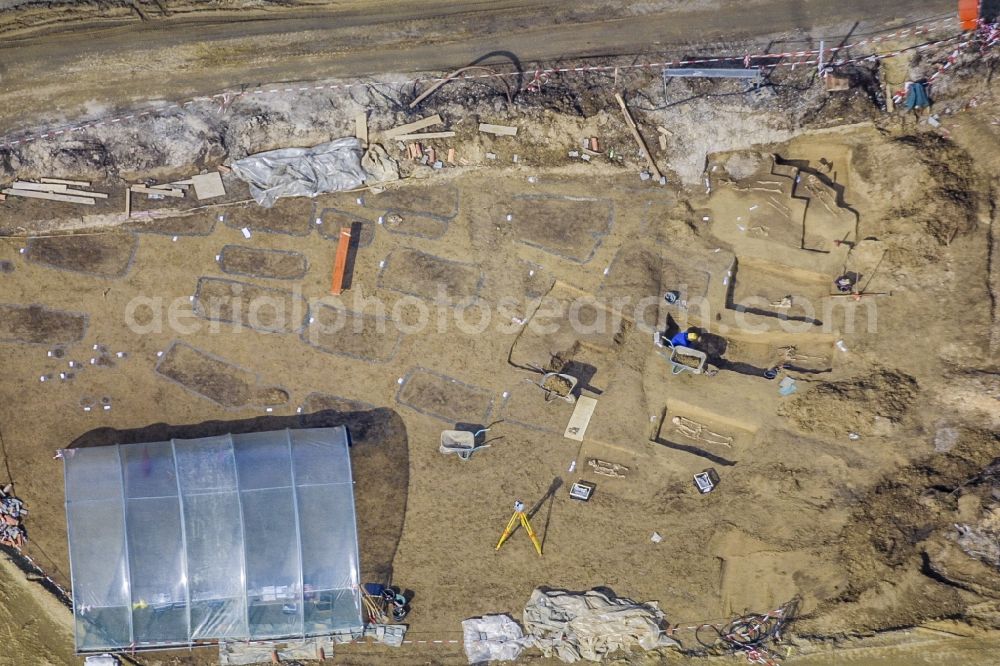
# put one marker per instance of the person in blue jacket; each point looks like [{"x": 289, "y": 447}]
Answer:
[{"x": 684, "y": 338}]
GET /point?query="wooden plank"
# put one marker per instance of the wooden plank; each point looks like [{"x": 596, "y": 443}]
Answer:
[
  {"x": 31, "y": 194},
  {"x": 638, "y": 137},
  {"x": 425, "y": 135},
  {"x": 60, "y": 181},
  {"x": 499, "y": 130},
  {"x": 409, "y": 128},
  {"x": 142, "y": 189},
  {"x": 40, "y": 187},
  {"x": 84, "y": 193},
  {"x": 340, "y": 263},
  {"x": 581, "y": 418},
  {"x": 55, "y": 188},
  {"x": 209, "y": 186},
  {"x": 361, "y": 126}
]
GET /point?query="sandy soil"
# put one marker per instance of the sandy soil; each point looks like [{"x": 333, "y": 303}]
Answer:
[
  {"x": 811, "y": 487},
  {"x": 465, "y": 282}
]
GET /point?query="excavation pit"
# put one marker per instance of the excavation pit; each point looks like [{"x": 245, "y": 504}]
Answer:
[
  {"x": 260, "y": 308},
  {"x": 364, "y": 337},
  {"x": 568, "y": 227},
  {"x": 445, "y": 398},
  {"x": 104, "y": 255},
  {"x": 215, "y": 378},
  {"x": 430, "y": 277},
  {"x": 261, "y": 263}
]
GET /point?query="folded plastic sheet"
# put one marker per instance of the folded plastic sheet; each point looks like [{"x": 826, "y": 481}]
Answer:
[
  {"x": 492, "y": 638},
  {"x": 591, "y": 625},
  {"x": 302, "y": 172}
]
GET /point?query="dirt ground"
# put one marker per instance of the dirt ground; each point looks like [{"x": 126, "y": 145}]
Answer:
[
  {"x": 844, "y": 493},
  {"x": 110, "y": 54}
]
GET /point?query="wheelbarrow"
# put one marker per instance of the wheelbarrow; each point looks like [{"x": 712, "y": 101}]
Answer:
[
  {"x": 461, "y": 442},
  {"x": 685, "y": 359},
  {"x": 558, "y": 385},
  {"x": 555, "y": 384}
]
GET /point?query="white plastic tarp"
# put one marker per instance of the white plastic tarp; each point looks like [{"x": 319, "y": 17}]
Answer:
[
  {"x": 493, "y": 638},
  {"x": 302, "y": 172},
  {"x": 247, "y": 536},
  {"x": 591, "y": 625}
]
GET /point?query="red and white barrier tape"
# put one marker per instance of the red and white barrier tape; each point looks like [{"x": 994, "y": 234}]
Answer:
[
  {"x": 227, "y": 98},
  {"x": 41, "y": 572}
]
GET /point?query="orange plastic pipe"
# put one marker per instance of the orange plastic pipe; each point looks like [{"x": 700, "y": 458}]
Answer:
[
  {"x": 340, "y": 263},
  {"x": 968, "y": 14}
]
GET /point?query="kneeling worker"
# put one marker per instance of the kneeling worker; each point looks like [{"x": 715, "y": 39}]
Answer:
[{"x": 684, "y": 338}]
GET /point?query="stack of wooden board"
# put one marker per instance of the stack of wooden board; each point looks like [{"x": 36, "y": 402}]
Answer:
[
  {"x": 175, "y": 190},
  {"x": 55, "y": 189},
  {"x": 206, "y": 186}
]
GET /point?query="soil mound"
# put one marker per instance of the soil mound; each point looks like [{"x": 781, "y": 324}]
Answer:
[
  {"x": 946, "y": 206},
  {"x": 906, "y": 528},
  {"x": 854, "y": 405}
]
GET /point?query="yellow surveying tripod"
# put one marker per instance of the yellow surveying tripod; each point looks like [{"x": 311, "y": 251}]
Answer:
[{"x": 519, "y": 517}]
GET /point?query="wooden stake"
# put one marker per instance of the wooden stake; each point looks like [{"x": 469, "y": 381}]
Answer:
[
  {"x": 32, "y": 194},
  {"x": 84, "y": 193},
  {"x": 60, "y": 181},
  {"x": 499, "y": 130},
  {"x": 39, "y": 187},
  {"x": 142, "y": 189},
  {"x": 638, "y": 137},
  {"x": 424, "y": 135},
  {"x": 128, "y": 203},
  {"x": 410, "y": 128}
]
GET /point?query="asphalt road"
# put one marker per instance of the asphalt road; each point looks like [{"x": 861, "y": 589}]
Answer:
[{"x": 85, "y": 68}]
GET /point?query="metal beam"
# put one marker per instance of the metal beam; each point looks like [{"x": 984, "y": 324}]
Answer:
[
  {"x": 128, "y": 566},
  {"x": 184, "y": 542},
  {"x": 298, "y": 534},
  {"x": 243, "y": 536},
  {"x": 712, "y": 73}
]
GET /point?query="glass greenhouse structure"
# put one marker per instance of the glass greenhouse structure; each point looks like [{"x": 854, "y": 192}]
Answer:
[{"x": 236, "y": 537}]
